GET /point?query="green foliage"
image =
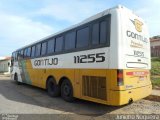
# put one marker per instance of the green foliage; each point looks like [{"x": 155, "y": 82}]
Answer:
[
  {"x": 155, "y": 70},
  {"x": 155, "y": 81}
]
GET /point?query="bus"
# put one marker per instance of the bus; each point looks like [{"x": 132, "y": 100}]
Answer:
[{"x": 103, "y": 59}]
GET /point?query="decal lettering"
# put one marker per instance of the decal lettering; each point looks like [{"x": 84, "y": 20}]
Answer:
[
  {"x": 90, "y": 58},
  {"x": 136, "y": 44},
  {"x": 45, "y": 62},
  {"x": 138, "y": 53},
  {"x": 136, "y": 36}
]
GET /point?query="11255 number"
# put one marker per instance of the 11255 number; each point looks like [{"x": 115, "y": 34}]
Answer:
[{"x": 90, "y": 58}]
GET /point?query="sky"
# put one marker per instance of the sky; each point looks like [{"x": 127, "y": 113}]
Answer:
[{"x": 24, "y": 21}]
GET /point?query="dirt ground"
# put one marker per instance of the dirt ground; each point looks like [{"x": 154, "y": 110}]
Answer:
[{"x": 25, "y": 99}]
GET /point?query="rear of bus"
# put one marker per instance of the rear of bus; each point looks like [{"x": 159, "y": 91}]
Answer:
[{"x": 133, "y": 74}]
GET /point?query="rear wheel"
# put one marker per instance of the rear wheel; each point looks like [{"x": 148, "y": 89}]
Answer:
[
  {"x": 52, "y": 88},
  {"x": 67, "y": 91}
]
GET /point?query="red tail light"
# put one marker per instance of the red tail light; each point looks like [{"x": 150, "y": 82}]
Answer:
[{"x": 120, "y": 77}]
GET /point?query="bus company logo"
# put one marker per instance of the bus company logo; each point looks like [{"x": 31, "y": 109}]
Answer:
[{"x": 138, "y": 25}]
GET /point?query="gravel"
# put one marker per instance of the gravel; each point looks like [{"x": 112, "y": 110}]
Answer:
[{"x": 25, "y": 99}]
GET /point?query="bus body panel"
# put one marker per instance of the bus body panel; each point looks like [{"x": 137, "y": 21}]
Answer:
[
  {"x": 118, "y": 98},
  {"x": 135, "y": 48},
  {"x": 134, "y": 51}
]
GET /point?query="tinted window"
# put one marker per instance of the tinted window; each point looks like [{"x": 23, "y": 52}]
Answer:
[
  {"x": 25, "y": 53},
  {"x": 13, "y": 56},
  {"x": 82, "y": 37},
  {"x": 95, "y": 34},
  {"x": 33, "y": 51},
  {"x": 51, "y": 44},
  {"x": 70, "y": 40},
  {"x": 21, "y": 54},
  {"x": 16, "y": 56},
  {"x": 103, "y": 32},
  {"x": 29, "y": 52},
  {"x": 38, "y": 50},
  {"x": 59, "y": 44},
  {"x": 44, "y": 47}
]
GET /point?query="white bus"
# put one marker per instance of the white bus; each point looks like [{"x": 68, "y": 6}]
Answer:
[{"x": 104, "y": 59}]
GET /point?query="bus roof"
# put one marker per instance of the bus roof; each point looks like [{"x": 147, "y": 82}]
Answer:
[{"x": 98, "y": 15}]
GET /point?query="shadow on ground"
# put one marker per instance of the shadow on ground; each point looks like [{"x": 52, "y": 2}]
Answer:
[
  {"x": 36, "y": 96},
  {"x": 153, "y": 98}
]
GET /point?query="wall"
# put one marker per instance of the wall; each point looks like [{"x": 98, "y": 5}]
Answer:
[
  {"x": 4, "y": 66},
  {"x": 155, "y": 47}
]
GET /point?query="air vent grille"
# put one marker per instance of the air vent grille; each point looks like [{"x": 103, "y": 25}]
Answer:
[{"x": 94, "y": 87}]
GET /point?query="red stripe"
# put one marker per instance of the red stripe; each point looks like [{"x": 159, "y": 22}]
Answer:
[
  {"x": 129, "y": 73},
  {"x": 137, "y": 73}
]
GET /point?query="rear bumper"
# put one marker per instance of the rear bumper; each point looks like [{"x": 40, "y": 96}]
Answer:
[{"x": 118, "y": 98}]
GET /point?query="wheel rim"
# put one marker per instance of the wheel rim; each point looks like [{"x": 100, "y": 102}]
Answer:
[
  {"x": 52, "y": 87},
  {"x": 66, "y": 90}
]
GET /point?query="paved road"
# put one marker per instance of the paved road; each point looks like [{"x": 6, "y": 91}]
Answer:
[{"x": 25, "y": 99}]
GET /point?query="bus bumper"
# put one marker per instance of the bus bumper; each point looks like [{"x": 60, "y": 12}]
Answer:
[{"x": 123, "y": 97}]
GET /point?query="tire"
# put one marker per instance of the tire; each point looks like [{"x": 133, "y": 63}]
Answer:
[
  {"x": 52, "y": 88},
  {"x": 16, "y": 79},
  {"x": 67, "y": 91}
]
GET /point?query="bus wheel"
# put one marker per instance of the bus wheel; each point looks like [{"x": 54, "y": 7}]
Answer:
[
  {"x": 67, "y": 91},
  {"x": 52, "y": 88},
  {"x": 16, "y": 79}
]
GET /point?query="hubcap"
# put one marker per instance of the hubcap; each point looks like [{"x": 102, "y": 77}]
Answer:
[
  {"x": 66, "y": 90},
  {"x": 52, "y": 87}
]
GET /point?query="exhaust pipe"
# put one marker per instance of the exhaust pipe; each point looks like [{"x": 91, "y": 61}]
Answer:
[{"x": 130, "y": 101}]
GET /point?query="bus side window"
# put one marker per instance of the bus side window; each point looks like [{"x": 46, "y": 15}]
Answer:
[
  {"x": 103, "y": 36},
  {"x": 12, "y": 58},
  {"x": 82, "y": 38},
  {"x": 22, "y": 54},
  {"x": 12, "y": 61},
  {"x": 25, "y": 53},
  {"x": 29, "y": 52},
  {"x": 59, "y": 44},
  {"x": 33, "y": 51},
  {"x": 95, "y": 34},
  {"x": 51, "y": 46},
  {"x": 38, "y": 49},
  {"x": 108, "y": 30},
  {"x": 16, "y": 55},
  {"x": 70, "y": 39},
  {"x": 100, "y": 33},
  {"x": 44, "y": 47}
]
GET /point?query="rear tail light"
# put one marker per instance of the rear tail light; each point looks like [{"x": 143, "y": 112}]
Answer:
[{"x": 120, "y": 78}]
